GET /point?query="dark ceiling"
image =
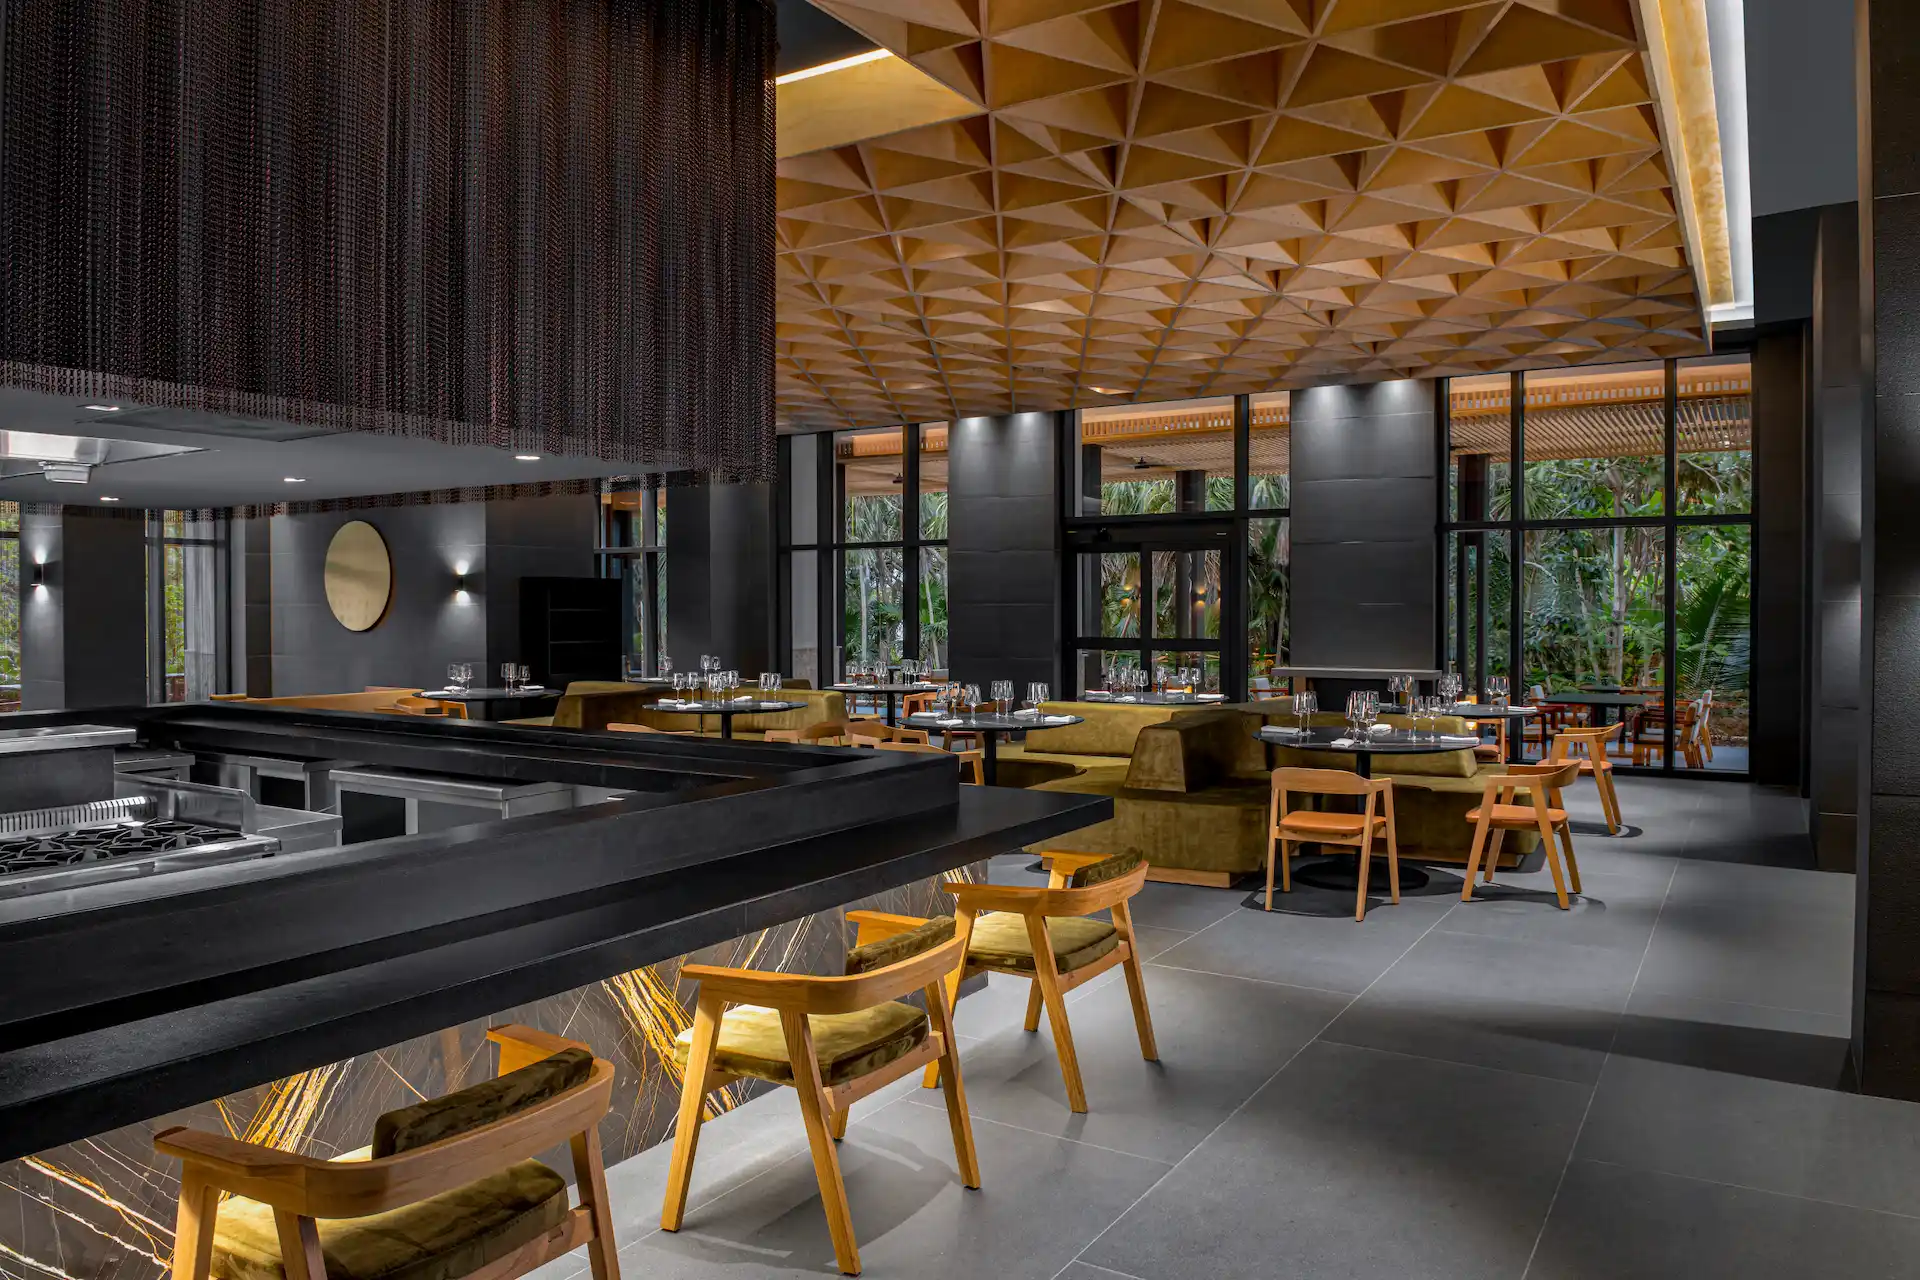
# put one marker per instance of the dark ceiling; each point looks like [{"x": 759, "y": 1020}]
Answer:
[{"x": 809, "y": 37}]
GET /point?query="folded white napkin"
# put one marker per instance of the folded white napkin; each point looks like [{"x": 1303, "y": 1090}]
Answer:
[
  {"x": 948, "y": 724},
  {"x": 1058, "y": 719},
  {"x": 1293, "y": 730},
  {"x": 1211, "y": 697},
  {"x": 1454, "y": 737},
  {"x": 1379, "y": 730},
  {"x": 1027, "y": 713},
  {"x": 1127, "y": 698},
  {"x": 1345, "y": 742},
  {"x": 746, "y": 697},
  {"x": 671, "y": 702}
]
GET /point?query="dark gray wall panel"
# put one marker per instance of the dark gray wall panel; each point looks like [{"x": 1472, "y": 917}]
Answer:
[
  {"x": 84, "y": 638},
  {"x": 1003, "y": 569},
  {"x": 720, "y": 575},
  {"x": 1780, "y": 641},
  {"x": 549, "y": 537},
  {"x": 1365, "y": 510}
]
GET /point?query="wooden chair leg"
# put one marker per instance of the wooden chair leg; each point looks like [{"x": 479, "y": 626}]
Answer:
[
  {"x": 1573, "y": 863},
  {"x": 826, "y": 1161},
  {"x": 1473, "y": 857},
  {"x": 1553, "y": 863},
  {"x": 930, "y": 1078},
  {"x": 193, "y": 1228},
  {"x": 941, "y": 1014},
  {"x": 1033, "y": 1006},
  {"x": 1050, "y": 994},
  {"x": 1136, "y": 985},
  {"x": 590, "y": 1178},
  {"x": 1393, "y": 862},
  {"x": 837, "y": 1121},
  {"x": 299, "y": 1246},
  {"x": 693, "y": 1105},
  {"x": 1493, "y": 853},
  {"x": 1366, "y": 865},
  {"x": 1286, "y": 866},
  {"x": 1273, "y": 852}
]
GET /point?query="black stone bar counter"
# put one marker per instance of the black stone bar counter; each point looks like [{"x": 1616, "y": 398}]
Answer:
[{"x": 124, "y": 1001}]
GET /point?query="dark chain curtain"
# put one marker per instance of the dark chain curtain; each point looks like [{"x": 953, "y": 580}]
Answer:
[{"x": 534, "y": 224}]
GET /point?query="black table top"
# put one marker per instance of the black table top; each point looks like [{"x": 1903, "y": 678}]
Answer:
[
  {"x": 1479, "y": 711},
  {"x": 990, "y": 723},
  {"x": 1156, "y": 699},
  {"x": 755, "y": 707},
  {"x": 479, "y": 694},
  {"x": 924, "y": 687},
  {"x": 1398, "y": 743},
  {"x": 1583, "y": 698}
]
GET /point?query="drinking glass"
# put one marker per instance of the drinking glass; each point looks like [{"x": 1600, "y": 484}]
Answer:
[
  {"x": 769, "y": 683},
  {"x": 1037, "y": 693},
  {"x": 506, "y": 674},
  {"x": 666, "y": 665},
  {"x": 1002, "y": 695},
  {"x": 970, "y": 697},
  {"x": 1305, "y": 704},
  {"x": 1499, "y": 690},
  {"x": 523, "y": 676}
]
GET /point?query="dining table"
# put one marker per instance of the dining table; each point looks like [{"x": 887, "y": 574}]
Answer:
[
  {"x": 1509, "y": 713},
  {"x": 1344, "y": 873},
  {"x": 1156, "y": 699},
  {"x": 894, "y": 693},
  {"x": 991, "y": 727},
  {"x": 1603, "y": 704},
  {"x": 725, "y": 709},
  {"x": 494, "y": 704}
]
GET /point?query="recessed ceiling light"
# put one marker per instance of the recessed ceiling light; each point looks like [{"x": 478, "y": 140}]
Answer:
[
  {"x": 105, "y": 498},
  {"x": 295, "y": 479},
  {"x": 526, "y": 457},
  {"x": 1105, "y": 391},
  {"x": 102, "y": 408}
]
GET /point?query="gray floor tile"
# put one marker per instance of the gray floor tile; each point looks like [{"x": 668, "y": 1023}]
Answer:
[
  {"x": 1612, "y": 910},
  {"x": 1611, "y": 1223},
  {"x": 1186, "y": 907},
  {"x": 1773, "y": 1044},
  {"x": 1041, "y": 1199},
  {"x": 1087, "y": 1271},
  {"x": 1784, "y": 1138},
  {"x": 1356, "y": 1163},
  {"x": 1543, "y": 1008},
  {"x": 1335, "y": 954},
  {"x": 1782, "y": 888},
  {"x": 1751, "y": 953},
  {"x": 1219, "y": 1040},
  {"x": 1153, "y": 941}
]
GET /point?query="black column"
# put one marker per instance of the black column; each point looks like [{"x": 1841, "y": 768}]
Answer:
[
  {"x": 1887, "y": 983},
  {"x": 83, "y": 629},
  {"x": 1003, "y": 573},
  {"x": 720, "y": 575},
  {"x": 1365, "y": 506}
]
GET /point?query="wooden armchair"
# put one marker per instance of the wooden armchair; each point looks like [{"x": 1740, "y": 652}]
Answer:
[
  {"x": 974, "y": 761},
  {"x": 1588, "y": 746},
  {"x": 1500, "y": 811},
  {"x": 834, "y": 1040},
  {"x": 831, "y": 733},
  {"x": 1288, "y": 827},
  {"x": 449, "y": 1187},
  {"x": 625, "y": 727},
  {"x": 869, "y": 733},
  {"x": 1046, "y": 935}
]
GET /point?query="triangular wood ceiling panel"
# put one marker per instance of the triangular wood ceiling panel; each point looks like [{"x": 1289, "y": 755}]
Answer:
[{"x": 1203, "y": 197}]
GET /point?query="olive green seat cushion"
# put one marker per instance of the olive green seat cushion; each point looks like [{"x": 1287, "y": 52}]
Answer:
[
  {"x": 1106, "y": 728},
  {"x": 847, "y": 1045},
  {"x": 452, "y": 1234},
  {"x": 1000, "y": 941},
  {"x": 595, "y": 704},
  {"x": 901, "y": 946}
]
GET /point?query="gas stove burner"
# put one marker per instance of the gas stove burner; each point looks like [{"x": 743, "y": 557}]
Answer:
[{"x": 100, "y": 843}]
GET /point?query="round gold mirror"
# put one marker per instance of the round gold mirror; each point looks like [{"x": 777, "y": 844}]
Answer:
[{"x": 359, "y": 575}]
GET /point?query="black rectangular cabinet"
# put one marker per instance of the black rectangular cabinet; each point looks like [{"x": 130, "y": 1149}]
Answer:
[{"x": 570, "y": 629}]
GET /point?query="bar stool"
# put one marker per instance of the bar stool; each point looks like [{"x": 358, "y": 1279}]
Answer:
[
  {"x": 1286, "y": 828},
  {"x": 1544, "y": 812},
  {"x": 834, "y": 1040}
]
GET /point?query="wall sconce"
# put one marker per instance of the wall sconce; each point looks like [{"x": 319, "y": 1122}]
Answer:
[
  {"x": 460, "y": 595},
  {"x": 39, "y": 575}
]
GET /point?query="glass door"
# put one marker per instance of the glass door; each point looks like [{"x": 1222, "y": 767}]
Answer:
[{"x": 1149, "y": 599}]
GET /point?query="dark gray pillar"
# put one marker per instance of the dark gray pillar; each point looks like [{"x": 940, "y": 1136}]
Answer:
[
  {"x": 720, "y": 575},
  {"x": 1365, "y": 508},
  {"x": 1003, "y": 549},
  {"x": 550, "y": 537},
  {"x": 250, "y": 605},
  {"x": 83, "y": 634},
  {"x": 1887, "y": 983},
  {"x": 1780, "y": 505},
  {"x": 1836, "y": 723}
]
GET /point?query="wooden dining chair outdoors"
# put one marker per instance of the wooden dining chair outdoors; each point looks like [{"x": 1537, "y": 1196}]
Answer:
[
  {"x": 1287, "y": 827},
  {"x": 973, "y": 762},
  {"x": 449, "y": 1187},
  {"x": 1500, "y": 811},
  {"x": 1048, "y": 936},
  {"x": 1588, "y": 747},
  {"x": 834, "y": 1040}
]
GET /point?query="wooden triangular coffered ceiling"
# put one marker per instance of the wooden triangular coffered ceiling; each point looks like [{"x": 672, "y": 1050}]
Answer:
[{"x": 1171, "y": 198}]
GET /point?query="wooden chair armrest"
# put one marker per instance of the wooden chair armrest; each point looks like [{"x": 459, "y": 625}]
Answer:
[
  {"x": 812, "y": 993},
  {"x": 1069, "y": 860},
  {"x": 1020, "y": 899},
  {"x": 522, "y": 1045},
  {"x": 1051, "y": 901},
  {"x": 875, "y": 925},
  {"x": 226, "y": 1159}
]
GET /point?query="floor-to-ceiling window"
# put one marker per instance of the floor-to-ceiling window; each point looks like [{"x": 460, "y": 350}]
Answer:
[
  {"x": 1631, "y": 513},
  {"x": 633, "y": 548},
  {"x": 1178, "y": 533},
  {"x": 862, "y": 526},
  {"x": 186, "y": 605}
]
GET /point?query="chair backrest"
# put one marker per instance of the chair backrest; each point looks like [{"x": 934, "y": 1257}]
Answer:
[
  {"x": 1545, "y": 779},
  {"x": 1040, "y": 900},
  {"x": 1586, "y": 739},
  {"x": 877, "y": 731},
  {"x": 1325, "y": 782},
  {"x": 813, "y": 993}
]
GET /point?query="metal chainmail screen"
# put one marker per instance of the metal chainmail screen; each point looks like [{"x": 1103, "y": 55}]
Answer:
[{"x": 534, "y": 224}]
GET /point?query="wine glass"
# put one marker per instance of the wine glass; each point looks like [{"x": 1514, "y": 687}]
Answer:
[
  {"x": 666, "y": 665},
  {"x": 1499, "y": 690},
  {"x": 506, "y": 675},
  {"x": 1305, "y": 703},
  {"x": 524, "y": 674},
  {"x": 1002, "y": 695},
  {"x": 1037, "y": 693},
  {"x": 769, "y": 683}
]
